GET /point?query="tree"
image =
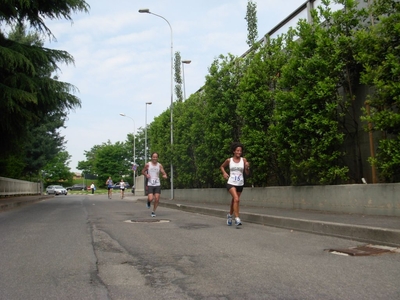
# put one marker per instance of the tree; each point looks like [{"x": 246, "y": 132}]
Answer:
[
  {"x": 258, "y": 89},
  {"x": 34, "y": 12},
  {"x": 57, "y": 168},
  {"x": 251, "y": 18},
  {"x": 379, "y": 53},
  {"x": 109, "y": 159},
  {"x": 178, "y": 78},
  {"x": 29, "y": 86}
]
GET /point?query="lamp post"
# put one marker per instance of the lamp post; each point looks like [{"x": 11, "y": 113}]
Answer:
[
  {"x": 145, "y": 134},
  {"x": 183, "y": 76},
  {"x": 147, "y": 11},
  {"x": 134, "y": 149}
]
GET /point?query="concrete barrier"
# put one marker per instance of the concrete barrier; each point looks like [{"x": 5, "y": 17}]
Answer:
[
  {"x": 367, "y": 199},
  {"x": 139, "y": 190}
]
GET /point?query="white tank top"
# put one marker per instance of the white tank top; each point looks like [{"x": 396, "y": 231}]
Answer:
[
  {"x": 236, "y": 172},
  {"x": 154, "y": 172}
]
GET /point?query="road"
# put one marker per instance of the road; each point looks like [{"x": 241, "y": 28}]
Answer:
[{"x": 87, "y": 247}]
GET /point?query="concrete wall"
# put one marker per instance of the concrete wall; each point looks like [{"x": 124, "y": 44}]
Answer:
[
  {"x": 11, "y": 187},
  {"x": 368, "y": 199}
]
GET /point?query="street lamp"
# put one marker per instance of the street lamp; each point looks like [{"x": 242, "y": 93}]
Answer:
[
  {"x": 134, "y": 150},
  {"x": 147, "y": 11},
  {"x": 183, "y": 76},
  {"x": 145, "y": 134}
]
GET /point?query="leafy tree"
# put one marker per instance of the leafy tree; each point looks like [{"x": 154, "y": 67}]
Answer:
[
  {"x": 115, "y": 160},
  {"x": 256, "y": 107},
  {"x": 178, "y": 78},
  {"x": 43, "y": 143},
  {"x": 251, "y": 18},
  {"x": 379, "y": 53},
  {"x": 57, "y": 168},
  {"x": 159, "y": 135},
  {"x": 189, "y": 135},
  {"x": 222, "y": 125},
  {"x": 307, "y": 107},
  {"x": 28, "y": 83},
  {"x": 34, "y": 12}
]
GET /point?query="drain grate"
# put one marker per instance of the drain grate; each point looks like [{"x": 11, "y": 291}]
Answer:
[{"x": 366, "y": 250}]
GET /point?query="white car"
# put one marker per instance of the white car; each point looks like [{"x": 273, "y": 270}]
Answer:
[{"x": 56, "y": 190}]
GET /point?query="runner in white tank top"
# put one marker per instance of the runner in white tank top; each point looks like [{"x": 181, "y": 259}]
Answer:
[
  {"x": 152, "y": 173},
  {"x": 235, "y": 181},
  {"x": 236, "y": 172}
]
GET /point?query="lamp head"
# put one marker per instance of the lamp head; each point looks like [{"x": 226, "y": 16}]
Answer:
[
  {"x": 186, "y": 61},
  {"x": 149, "y": 103},
  {"x": 144, "y": 11},
  {"x": 121, "y": 114}
]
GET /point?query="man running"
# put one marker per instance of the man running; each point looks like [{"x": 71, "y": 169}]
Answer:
[{"x": 152, "y": 171}]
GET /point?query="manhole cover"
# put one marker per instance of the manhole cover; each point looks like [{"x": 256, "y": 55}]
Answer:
[
  {"x": 366, "y": 250},
  {"x": 147, "y": 221}
]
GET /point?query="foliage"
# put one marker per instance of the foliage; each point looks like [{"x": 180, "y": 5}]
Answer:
[
  {"x": 34, "y": 12},
  {"x": 306, "y": 107},
  {"x": 177, "y": 76},
  {"x": 256, "y": 107},
  {"x": 293, "y": 101},
  {"x": 379, "y": 53},
  {"x": 251, "y": 18},
  {"x": 109, "y": 159},
  {"x": 56, "y": 169},
  {"x": 34, "y": 103}
]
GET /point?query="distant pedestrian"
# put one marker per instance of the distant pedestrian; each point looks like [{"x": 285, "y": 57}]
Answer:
[
  {"x": 152, "y": 171},
  {"x": 235, "y": 180},
  {"x": 92, "y": 187},
  {"x": 109, "y": 184},
  {"x": 122, "y": 188}
]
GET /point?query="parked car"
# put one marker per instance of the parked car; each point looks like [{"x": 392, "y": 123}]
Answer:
[
  {"x": 76, "y": 187},
  {"x": 56, "y": 190},
  {"x": 116, "y": 186}
]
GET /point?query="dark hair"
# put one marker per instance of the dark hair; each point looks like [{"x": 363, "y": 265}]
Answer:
[
  {"x": 236, "y": 145},
  {"x": 154, "y": 153}
]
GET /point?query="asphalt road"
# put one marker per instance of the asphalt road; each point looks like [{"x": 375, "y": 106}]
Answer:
[{"x": 87, "y": 247}]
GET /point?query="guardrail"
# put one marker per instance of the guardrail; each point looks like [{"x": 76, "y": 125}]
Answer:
[{"x": 15, "y": 187}]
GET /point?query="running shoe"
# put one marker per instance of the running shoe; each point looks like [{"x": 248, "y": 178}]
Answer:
[
  {"x": 148, "y": 204},
  {"x": 229, "y": 220},
  {"x": 153, "y": 214},
  {"x": 238, "y": 222}
]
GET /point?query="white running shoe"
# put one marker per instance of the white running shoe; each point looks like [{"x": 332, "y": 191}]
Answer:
[
  {"x": 238, "y": 222},
  {"x": 153, "y": 214}
]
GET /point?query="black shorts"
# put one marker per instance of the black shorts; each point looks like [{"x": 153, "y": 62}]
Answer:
[
  {"x": 239, "y": 188},
  {"x": 154, "y": 189},
  {"x": 109, "y": 187}
]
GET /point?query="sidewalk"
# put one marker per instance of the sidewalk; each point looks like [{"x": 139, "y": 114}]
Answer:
[
  {"x": 17, "y": 201},
  {"x": 381, "y": 230}
]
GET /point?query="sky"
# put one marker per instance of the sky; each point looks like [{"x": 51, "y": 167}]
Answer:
[{"x": 123, "y": 58}]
